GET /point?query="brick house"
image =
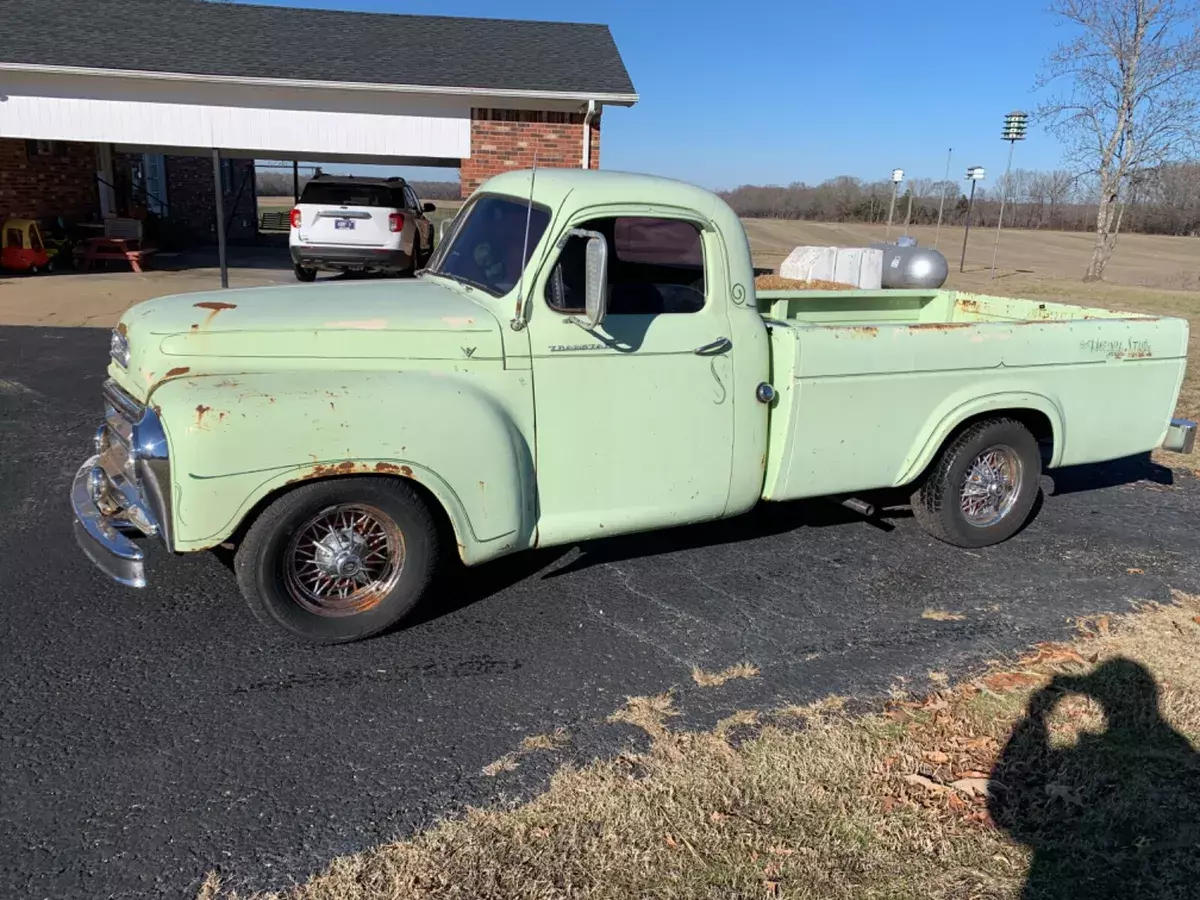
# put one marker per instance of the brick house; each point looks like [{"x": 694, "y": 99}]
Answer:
[{"x": 94, "y": 124}]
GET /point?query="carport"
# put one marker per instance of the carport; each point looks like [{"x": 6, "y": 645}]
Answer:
[{"x": 232, "y": 82}]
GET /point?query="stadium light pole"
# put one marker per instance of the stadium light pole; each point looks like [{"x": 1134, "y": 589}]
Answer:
[
  {"x": 974, "y": 174},
  {"x": 1015, "y": 124},
  {"x": 897, "y": 177},
  {"x": 942, "y": 203}
]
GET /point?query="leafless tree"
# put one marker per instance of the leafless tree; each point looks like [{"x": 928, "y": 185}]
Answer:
[{"x": 1130, "y": 75}]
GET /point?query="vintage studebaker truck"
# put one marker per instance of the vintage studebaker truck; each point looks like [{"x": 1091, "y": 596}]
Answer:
[{"x": 585, "y": 356}]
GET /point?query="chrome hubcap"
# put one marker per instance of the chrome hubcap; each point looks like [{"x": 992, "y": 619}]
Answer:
[
  {"x": 344, "y": 560},
  {"x": 991, "y": 486}
]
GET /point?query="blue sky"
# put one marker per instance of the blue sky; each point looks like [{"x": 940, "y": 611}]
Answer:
[{"x": 771, "y": 91}]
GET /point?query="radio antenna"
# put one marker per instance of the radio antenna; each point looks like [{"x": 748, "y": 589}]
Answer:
[{"x": 518, "y": 321}]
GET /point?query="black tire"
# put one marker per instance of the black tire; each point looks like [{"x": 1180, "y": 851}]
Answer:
[
  {"x": 303, "y": 274},
  {"x": 267, "y": 558},
  {"x": 938, "y": 501}
]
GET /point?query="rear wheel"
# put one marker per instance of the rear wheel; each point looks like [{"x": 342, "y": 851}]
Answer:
[
  {"x": 339, "y": 560},
  {"x": 303, "y": 274},
  {"x": 983, "y": 485}
]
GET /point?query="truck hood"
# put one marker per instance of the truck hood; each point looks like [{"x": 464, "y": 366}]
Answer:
[{"x": 258, "y": 328}]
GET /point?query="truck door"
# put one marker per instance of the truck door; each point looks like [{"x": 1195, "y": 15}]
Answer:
[{"x": 635, "y": 419}]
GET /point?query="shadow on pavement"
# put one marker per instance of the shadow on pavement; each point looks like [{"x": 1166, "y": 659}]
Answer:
[
  {"x": 1116, "y": 814},
  {"x": 1130, "y": 470}
]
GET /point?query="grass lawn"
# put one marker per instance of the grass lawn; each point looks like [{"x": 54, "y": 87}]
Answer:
[{"x": 1072, "y": 769}]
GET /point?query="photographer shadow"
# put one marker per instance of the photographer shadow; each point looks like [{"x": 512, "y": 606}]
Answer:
[{"x": 1114, "y": 815}]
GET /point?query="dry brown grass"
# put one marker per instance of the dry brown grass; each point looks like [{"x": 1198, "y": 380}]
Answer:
[
  {"x": 818, "y": 804},
  {"x": 941, "y": 615},
  {"x": 716, "y": 679}
]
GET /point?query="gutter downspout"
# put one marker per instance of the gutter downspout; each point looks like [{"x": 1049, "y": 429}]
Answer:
[{"x": 587, "y": 133}]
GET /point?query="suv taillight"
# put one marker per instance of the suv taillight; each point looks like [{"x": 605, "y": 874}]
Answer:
[
  {"x": 396, "y": 222},
  {"x": 295, "y": 218}
]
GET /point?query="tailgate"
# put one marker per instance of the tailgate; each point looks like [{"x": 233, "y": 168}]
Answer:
[{"x": 344, "y": 226}]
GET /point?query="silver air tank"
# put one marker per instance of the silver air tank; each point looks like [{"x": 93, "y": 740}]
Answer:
[{"x": 905, "y": 265}]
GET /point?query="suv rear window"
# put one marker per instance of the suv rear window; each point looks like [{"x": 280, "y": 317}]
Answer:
[{"x": 341, "y": 194}]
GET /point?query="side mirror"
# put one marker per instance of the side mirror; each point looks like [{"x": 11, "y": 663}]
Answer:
[
  {"x": 596, "y": 279},
  {"x": 428, "y": 207}
]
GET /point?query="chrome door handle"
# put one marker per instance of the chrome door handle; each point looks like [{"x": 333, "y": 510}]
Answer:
[{"x": 720, "y": 345}]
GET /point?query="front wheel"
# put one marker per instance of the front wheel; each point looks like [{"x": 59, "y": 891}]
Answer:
[
  {"x": 303, "y": 274},
  {"x": 339, "y": 560},
  {"x": 982, "y": 487}
]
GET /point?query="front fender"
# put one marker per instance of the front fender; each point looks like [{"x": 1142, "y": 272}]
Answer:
[
  {"x": 959, "y": 407},
  {"x": 235, "y": 440}
]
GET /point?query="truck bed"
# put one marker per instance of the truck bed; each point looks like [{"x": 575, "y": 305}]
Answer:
[{"x": 872, "y": 382}]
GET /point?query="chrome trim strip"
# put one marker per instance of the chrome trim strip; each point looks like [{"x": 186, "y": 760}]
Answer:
[{"x": 114, "y": 554}]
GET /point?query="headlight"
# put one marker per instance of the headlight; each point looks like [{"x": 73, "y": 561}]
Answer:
[{"x": 118, "y": 348}]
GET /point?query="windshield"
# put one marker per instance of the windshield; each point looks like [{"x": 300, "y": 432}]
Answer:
[{"x": 484, "y": 243}]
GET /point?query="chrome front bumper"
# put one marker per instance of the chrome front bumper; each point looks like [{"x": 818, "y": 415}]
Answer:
[
  {"x": 1181, "y": 436},
  {"x": 98, "y": 536},
  {"x": 124, "y": 489}
]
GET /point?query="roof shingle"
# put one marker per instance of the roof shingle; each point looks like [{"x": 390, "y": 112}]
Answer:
[{"x": 204, "y": 38}]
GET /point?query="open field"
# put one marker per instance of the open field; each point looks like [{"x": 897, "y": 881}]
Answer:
[{"x": 1148, "y": 273}]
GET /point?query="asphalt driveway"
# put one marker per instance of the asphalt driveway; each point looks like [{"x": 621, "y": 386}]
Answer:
[{"x": 148, "y": 737}]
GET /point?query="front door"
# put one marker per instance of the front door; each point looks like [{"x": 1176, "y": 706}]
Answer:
[{"x": 634, "y": 420}]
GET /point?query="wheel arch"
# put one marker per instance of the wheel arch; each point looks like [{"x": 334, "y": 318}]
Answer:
[{"x": 1037, "y": 413}]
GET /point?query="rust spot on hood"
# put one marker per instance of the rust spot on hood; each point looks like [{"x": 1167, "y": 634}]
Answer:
[
  {"x": 178, "y": 370},
  {"x": 213, "y": 307},
  {"x": 971, "y": 306}
]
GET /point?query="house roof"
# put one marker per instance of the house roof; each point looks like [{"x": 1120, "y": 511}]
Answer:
[{"x": 233, "y": 40}]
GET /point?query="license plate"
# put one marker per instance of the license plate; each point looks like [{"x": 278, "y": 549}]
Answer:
[{"x": 347, "y": 224}]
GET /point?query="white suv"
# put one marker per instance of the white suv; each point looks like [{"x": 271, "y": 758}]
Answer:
[{"x": 346, "y": 224}]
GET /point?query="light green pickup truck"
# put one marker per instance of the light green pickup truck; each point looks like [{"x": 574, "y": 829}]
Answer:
[{"x": 585, "y": 356}]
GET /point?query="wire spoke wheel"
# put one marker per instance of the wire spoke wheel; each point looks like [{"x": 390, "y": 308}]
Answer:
[
  {"x": 991, "y": 485},
  {"x": 344, "y": 560}
]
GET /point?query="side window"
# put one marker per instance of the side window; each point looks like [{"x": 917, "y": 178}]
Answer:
[
  {"x": 410, "y": 199},
  {"x": 14, "y": 238},
  {"x": 655, "y": 266},
  {"x": 35, "y": 240}
]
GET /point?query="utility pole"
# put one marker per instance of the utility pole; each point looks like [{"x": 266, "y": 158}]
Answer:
[
  {"x": 1015, "y": 124},
  {"x": 942, "y": 202},
  {"x": 897, "y": 177},
  {"x": 974, "y": 174}
]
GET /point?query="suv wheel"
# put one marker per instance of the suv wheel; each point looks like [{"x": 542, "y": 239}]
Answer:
[{"x": 303, "y": 274}]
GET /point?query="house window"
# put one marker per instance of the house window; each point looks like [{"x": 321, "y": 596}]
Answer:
[
  {"x": 655, "y": 266},
  {"x": 45, "y": 148}
]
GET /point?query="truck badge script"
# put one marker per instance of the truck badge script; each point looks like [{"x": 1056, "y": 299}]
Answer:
[{"x": 468, "y": 352}]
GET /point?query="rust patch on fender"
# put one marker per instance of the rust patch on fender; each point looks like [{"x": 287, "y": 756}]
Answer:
[
  {"x": 387, "y": 468},
  {"x": 406, "y": 471},
  {"x": 200, "y": 411},
  {"x": 195, "y": 326},
  {"x": 178, "y": 370}
]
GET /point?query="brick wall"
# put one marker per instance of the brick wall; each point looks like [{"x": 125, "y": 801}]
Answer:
[
  {"x": 61, "y": 183},
  {"x": 503, "y": 139},
  {"x": 192, "y": 203}
]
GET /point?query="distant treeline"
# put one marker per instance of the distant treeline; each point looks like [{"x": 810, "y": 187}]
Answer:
[
  {"x": 1162, "y": 201},
  {"x": 279, "y": 184}
]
